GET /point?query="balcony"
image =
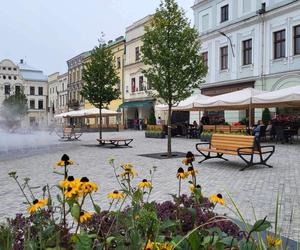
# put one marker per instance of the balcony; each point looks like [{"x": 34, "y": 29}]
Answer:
[{"x": 74, "y": 104}]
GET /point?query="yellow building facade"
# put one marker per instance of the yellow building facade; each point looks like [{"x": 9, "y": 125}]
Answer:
[{"x": 118, "y": 51}]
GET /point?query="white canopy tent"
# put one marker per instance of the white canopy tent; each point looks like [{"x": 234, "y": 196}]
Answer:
[
  {"x": 185, "y": 105},
  {"x": 231, "y": 101},
  {"x": 288, "y": 97},
  {"x": 94, "y": 112}
]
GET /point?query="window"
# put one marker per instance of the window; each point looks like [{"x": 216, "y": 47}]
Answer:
[
  {"x": 40, "y": 90},
  {"x": 247, "y": 52},
  {"x": 63, "y": 86},
  {"x": 224, "y": 13},
  {"x": 132, "y": 85},
  {"x": 297, "y": 40},
  {"x": 205, "y": 58},
  {"x": 279, "y": 44},
  {"x": 15, "y": 78},
  {"x": 9, "y": 68},
  {"x": 137, "y": 54},
  {"x": 15, "y": 69},
  {"x": 118, "y": 62},
  {"x": 141, "y": 82},
  {"x": 77, "y": 73},
  {"x": 32, "y": 91},
  {"x": 7, "y": 89},
  {"x": 9, "y": 77},
  {"x": 4, "y": 77},
  {"x": 4, "y": 68},
  {"x": 224, "y": 57},
  {"x": 41, "y": 104},
  {"x": 17, "y": 89},
  {"x": 32, "y": 104}
]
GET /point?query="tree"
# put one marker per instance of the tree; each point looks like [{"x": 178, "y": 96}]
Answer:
[
  {"x": 14, "y": 108},
  {"x": 100, "y": 79},
  {"x": 172, "y": 50},
  {"x": 266, "y": 116}
]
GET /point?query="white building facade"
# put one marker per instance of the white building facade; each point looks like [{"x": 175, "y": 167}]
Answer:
[
  {"x": 57, "y": 94},
  {"x": 16, "y": 77},
  {"x": 249, "y": 44},
  {"x": 138, "y": 104}
]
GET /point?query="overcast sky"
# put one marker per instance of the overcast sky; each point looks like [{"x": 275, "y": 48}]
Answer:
[{"x": 46, "y": 33}]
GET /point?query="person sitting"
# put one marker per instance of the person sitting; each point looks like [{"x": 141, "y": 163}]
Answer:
[
  {"x": 158, "y": 121},
  {"x": 270, "y": 130}
]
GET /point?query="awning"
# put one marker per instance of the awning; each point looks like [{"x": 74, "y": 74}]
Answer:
[{"x": 146, "y": 103}]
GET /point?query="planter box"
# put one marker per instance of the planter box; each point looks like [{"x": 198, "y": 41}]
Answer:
[{"x": 155, "y": 134}]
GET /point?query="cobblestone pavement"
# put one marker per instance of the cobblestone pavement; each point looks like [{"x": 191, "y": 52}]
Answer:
[{"x": 256, "y": 187}]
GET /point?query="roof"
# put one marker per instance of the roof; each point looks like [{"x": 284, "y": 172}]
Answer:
[{"x": 31, "y": 74}]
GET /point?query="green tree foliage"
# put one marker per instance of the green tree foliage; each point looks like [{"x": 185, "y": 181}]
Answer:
[
  {"x": 172, "y": 50},
  {"x": 152, "y": 119},
  {"x": 266, "y": 116},
  {"x": 100, "y": 79},
  {"x": 14, "y": 108}
]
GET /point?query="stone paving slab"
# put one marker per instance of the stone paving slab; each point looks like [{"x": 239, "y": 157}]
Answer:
[{"x": 255, "y": 187}]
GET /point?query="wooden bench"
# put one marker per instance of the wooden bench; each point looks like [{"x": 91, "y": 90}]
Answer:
[
  {"x": 70, "y": 134},
  {"x": 243, "y": 146},
  {"x": 223, "y": 129},
  {"x": 117, "y": 142},
  {"x": 209, "y": 128}
]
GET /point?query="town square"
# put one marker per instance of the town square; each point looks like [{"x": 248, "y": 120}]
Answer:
[{"x": 175, "y": 126}]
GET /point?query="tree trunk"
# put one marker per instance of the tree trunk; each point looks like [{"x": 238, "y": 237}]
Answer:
[
  {"x": 100, "y": 124},
  {"x": 169, "y": 131}
]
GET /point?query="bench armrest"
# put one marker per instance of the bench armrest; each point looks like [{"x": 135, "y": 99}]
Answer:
[
  {"x": 203, "y": 143},
  {"x": 271, "y": 147}
]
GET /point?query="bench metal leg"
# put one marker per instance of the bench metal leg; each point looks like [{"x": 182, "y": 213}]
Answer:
[
  {"x": 208, "y": 156},
  {"x": 263, "y": 161}
]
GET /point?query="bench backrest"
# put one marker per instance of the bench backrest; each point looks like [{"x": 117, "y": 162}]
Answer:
[
  {"x": 209, "y": 128},
  {"x": 231, "y": 142},
  {"x": 67, "y": 131},
  {"x": 238, "y": 128},
  {"x": 223, "y": 128}
]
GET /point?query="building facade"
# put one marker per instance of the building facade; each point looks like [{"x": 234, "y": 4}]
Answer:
[
  {"x": 36, "y": 91},
  {"x": 249, "y": 44},
  {"x": 75, "y": 82},
  {"x": 138, "y": 104},
  {"x": 57, "y": 94}
]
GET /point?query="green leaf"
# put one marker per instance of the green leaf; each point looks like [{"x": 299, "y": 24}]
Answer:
[
  {"x": 75, "y": 211},
  {"x": 167, "y": 224},
  {"x": 97, "y": 208},
  {"x": 194, "y": 240},
  {"x": 247, "y": 245},
  {"x": 83, "y": 242},
  {"x": 261, "y": 225},
  {"x": 109, "y": 239}
]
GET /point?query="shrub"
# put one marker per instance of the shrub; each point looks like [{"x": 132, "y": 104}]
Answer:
[{"x": 266, "y": 116}]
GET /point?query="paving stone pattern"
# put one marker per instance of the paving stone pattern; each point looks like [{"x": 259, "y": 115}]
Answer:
[{"x": 255, "y": 188}]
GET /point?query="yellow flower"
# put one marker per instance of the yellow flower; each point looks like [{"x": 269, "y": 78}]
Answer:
[
  {"x": 128, "y": 170},
  {"x": 272, "y": 241},
  {"x": 64, "y": 161},
  {"x": 194, "y": 188},
  {"x": 115, "y": 195},
  {"x": 180, "y": 173},
  {"x": 217, "y": 198},
  {"x": 145, "y": 184},
  {"x": 37, "y": 204},
  {"x": 87, "y": 186},
  {"x": 84, "y": 216},
  {"x": 71, "y": 192},
  {"x": 189, "y": 158},
  {"x": 191, "y": 171},
  {"x": 69, "y": 182},
  {"x": 149, "y": 245},
  {"x": 165, "y": 246}
]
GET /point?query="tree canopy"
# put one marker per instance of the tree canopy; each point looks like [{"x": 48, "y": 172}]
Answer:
[
  {"x": 100, "y": 77},
  {"x": 171, "y": 47},
  {"x": 14, "y": 108}
]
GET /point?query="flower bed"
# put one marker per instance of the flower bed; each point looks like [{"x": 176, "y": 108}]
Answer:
[{"x": 185, "y": 222}]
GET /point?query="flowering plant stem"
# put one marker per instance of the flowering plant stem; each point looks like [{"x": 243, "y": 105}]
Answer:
[{"x": 22, "y": 190}]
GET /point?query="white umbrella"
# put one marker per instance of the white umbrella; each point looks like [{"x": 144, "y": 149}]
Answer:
[
  {"x": 185, "y": 105},
  {"x": 230, "y": 101},
  {"x": 282, "y": 97}
]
